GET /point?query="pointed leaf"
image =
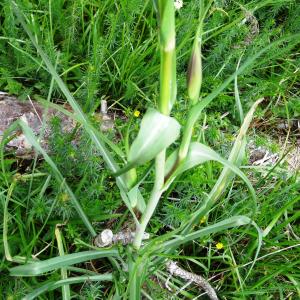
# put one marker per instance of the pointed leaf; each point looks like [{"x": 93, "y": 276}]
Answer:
[
  {"x": 40, "y": 267},
  {"x": 231, "y": 222},
  {"x": 74, "y": 280},
  {"x": 198, "y": 154},
  {"x": 236, "y": 156}
]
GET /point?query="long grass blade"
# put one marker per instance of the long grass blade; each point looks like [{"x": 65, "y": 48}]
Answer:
[
  {"x": 237, "y": 95},
  {"x": 66, "y": 294},
  {"x": 217, "y": 227},
  {"x": 74, "y": 280},
  {"x": 41, "y": 267}
]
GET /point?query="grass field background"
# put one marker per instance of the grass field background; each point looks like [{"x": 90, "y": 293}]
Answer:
[{"x": 109, "y": 50}]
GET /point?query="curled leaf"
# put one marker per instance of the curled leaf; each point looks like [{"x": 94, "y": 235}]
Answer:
[
  {"x": 198, "y": 154},
  {"x": 157, "y": 132}
]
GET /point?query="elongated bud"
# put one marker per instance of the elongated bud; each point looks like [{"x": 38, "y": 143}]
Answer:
[{"x": 194, "y": 76}]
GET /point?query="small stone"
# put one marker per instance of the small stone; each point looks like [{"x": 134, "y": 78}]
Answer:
[{"x": 104, "y": 238}]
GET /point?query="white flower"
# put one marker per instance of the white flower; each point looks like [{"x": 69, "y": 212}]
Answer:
[{"x": 178, "y": 4}]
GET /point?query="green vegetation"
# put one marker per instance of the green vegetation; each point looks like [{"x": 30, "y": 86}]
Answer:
[{"x": 178, "y": 166}]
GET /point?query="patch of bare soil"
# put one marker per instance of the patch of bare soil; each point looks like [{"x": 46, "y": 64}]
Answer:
[
  {"x": 286, "y": 135},
  {"x": 38, "y": 118}
]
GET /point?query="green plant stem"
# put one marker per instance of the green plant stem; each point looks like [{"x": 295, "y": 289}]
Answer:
[
  {"x": 193, "y": 116},
  {"x": 167, "y": 97},
  {"x": 195, "y": 112},
  {"x": 168, "y": 88},
  {"x": 187, "y": 132},
  {"x": 154, "y": 198},
  {"x": 5, "y": 222},
  {"x": 66, "y": 294}
]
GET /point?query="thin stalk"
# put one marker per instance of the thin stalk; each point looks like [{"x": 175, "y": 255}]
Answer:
[
  {"x": 66, "y": 294},
  {"x": 167, "y": 42},
  {"x": 154, "y": 198},
  {"x": 5, "y": 222},
  {"x": 167, "y": 97},
  {"x": 194, "y": 86}
]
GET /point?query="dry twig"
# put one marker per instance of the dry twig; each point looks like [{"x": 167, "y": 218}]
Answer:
[
  {"x": 191, "y": 277},
  {"x": 106, "y": 238}
]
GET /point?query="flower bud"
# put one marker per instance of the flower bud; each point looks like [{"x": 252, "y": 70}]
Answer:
[{"x": 194, "y": 76}]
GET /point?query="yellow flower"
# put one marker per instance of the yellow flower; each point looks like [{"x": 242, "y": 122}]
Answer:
[
  {"x": 203, "y": 219},
  {"x": 136, "y": 113},
  {"x": 64, "y": 197},
  {"x": 219, "y": 246}
]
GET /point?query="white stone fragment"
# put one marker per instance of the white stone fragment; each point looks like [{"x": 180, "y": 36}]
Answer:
[
  {"x": 178, "y": 4},
  {"x": 104, "y": 238}
]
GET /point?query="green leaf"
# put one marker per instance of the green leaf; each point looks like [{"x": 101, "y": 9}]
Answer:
[
  {"x": 157, "y": 132},
  {"x": 198, "y": 154},
  {"x": 237, "y": 95},
  {"x": 232, "y": 222},
  {"x": 40, "y": 267},
  {"x": 74, "y": 280},
  {"x": 228, "y": 223},
  {"x": 136, "y": 199},
  {"x": 235, "y": 157}
]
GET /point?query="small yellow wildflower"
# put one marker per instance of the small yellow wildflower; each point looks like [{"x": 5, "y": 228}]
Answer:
[
  {"x": 136, "y": 113},
  {"x": 219, "y": 246},
  {"x": 203, "y": 219},
  {"x": 64, "y": 197}
]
